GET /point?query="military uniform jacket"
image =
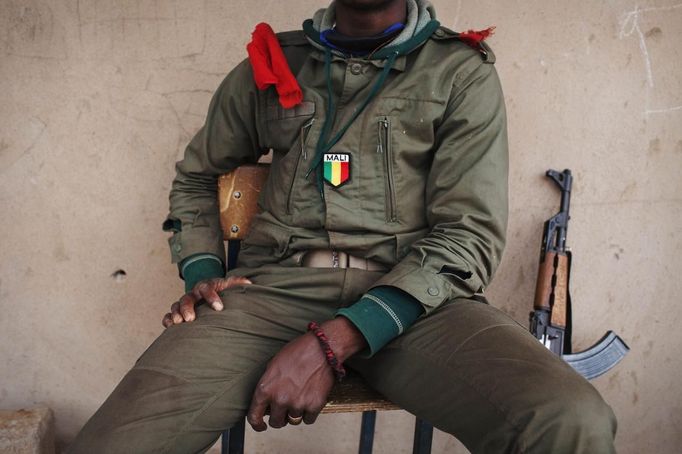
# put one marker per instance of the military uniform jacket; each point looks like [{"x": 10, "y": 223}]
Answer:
[{"x": 426, "y": 192}]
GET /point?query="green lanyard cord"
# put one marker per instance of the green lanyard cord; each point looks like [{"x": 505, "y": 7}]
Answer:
[
  {"x": 329, "y": 119},
  {"x": 323, "y": 145}
]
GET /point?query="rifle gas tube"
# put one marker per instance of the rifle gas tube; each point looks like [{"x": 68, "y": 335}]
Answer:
[{"x": 550, "y": 321}]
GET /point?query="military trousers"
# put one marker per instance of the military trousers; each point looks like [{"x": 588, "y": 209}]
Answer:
[{"x": 467, "y": 368}]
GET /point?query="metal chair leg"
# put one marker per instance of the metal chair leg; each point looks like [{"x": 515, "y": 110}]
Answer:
[
  {"x": 367, "y": 432},
  {"x": 224, "y": 441},
  {"x": 423, "y": 435},
  {"x": 233, "y": 439}
]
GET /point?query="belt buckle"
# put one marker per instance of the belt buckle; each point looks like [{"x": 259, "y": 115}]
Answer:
[{"x": 335, "y": 259}]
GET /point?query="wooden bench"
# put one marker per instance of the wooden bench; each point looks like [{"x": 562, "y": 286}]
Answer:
[{"x": 238, "y": 193}]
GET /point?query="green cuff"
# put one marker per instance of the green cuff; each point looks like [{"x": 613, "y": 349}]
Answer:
[
  {"x": 381, "y": 315},
  {"x": 199, "y": 267}
]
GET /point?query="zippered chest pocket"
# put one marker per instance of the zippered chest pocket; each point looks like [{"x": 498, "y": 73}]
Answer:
[
  {"x": 384, "y": 152},
  {"x": 289, "y": 155},
  {"x": 304, "y": 135}
]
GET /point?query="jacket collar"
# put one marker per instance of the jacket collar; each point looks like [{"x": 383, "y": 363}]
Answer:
[
  {"x": 399, "y": 65},
  {"x": 378, "y": 59}
]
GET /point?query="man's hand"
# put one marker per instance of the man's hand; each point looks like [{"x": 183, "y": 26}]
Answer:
[
  {"x": 298, "y": 379},
  {"x": 183, "y": 310}
]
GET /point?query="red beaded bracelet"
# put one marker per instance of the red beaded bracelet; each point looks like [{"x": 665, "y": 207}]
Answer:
[{"x": 332, "y": 360}]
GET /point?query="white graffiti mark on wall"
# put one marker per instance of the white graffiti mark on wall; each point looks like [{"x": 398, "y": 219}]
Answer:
[
  {"x": 669, "y": 109},
  {"x": 630, "y": 26}
]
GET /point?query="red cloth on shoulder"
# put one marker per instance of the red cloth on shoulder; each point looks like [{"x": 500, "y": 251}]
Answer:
[
  {"x": 474, "y": 37},
  {"x": 270, "y": 66}
]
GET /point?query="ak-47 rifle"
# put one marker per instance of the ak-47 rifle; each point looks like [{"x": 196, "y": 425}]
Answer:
[{"x": 550, "y": 321}]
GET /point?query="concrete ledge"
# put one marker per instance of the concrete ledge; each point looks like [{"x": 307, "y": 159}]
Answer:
[{"x": 27, "y": 431}]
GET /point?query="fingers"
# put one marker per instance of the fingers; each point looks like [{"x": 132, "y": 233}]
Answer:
[
  {"x": 232, "y": 281},
  {"x": 310, "y": 416},
  {"x": 186, "y": 309},
  {"x": 278, "y": 415},
  {"x": 279, "y": 408},
  {"x": 206, "y": 290},
  {"x": 167, "y": 320},
  {"x": 313, "y": 409},
  {"x": 175, "y": 313},
  {"x": 183, "y": 310},
  {"x": 259, "y": 403}
]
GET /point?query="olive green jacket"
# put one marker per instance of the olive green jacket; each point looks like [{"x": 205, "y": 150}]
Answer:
[{"x": 427, "y": 194}]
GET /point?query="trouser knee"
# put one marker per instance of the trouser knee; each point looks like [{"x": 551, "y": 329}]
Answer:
[{"x": 573, "y": 422}]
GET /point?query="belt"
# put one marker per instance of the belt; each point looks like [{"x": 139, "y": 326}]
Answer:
[{"x": 329, "y": 258}]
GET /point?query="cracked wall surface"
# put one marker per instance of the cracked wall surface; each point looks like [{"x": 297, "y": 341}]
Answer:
[{"x": 99, "y": 97}]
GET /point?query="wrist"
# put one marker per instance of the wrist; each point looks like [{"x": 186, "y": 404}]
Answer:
[
  {"x": 344, "y": 338},
  {"x": 200, "y": 267},
  {"x": 381, "y": 315}
]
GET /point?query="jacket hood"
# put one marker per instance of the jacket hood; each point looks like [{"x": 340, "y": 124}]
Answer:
[{"x": 419, "y": 24}]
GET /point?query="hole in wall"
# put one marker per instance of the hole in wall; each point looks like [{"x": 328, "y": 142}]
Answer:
[{"x": 119, "y": 276}]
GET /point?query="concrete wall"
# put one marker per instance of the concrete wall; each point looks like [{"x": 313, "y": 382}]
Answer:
[{"x": 99, "y": 97}]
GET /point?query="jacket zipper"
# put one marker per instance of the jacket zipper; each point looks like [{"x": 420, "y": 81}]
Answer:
[
  {"x": 384, "y": 147},
  {"x": 303, "y": 139}
]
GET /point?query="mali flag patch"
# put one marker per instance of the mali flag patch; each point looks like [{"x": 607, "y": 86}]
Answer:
[{"x": 336, "y": 168}]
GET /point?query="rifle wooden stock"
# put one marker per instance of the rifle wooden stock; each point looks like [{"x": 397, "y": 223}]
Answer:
[
  {"x": 559, "y": 305},
  {"x": 543, "y": 286},
  {"x": 551, "y": 288},
  {"x": 238, "y": 193}
]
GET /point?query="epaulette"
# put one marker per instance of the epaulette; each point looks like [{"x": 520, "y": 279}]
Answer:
[
  {"x": 292, "y": 38},
  {"x": 296, "y": 48},
  {"x": 443, "y": 33}
]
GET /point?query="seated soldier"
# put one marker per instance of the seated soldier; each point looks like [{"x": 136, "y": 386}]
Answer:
[{"x": 384, "y": 213}]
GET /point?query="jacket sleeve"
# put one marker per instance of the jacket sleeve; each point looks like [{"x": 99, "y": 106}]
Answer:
[
  {"x": 228, "y": 139},
  {"x": 466, "y": 197}
]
